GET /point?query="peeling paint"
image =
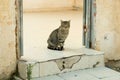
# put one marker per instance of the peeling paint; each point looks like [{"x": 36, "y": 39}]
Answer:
[
  {"x": 67, "y": 63},
  {"x": 11, "y": 44},
  {"x": 16, "y": 30},
  {"x": 7, "y": 40},
  {"x": 107, "y": 30},
  {"x": 97, "y": 63}
]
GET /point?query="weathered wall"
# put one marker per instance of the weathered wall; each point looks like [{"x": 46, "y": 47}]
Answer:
[
  {"x": 108, "y": 28},
  {"x": 7, "y": 38},
  {"x": 42, "y": 5}
]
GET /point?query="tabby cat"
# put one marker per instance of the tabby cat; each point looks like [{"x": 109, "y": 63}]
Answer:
[{"x": 58, "y": 36}]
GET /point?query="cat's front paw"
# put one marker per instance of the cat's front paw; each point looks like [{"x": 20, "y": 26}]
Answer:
[
  {"x": 60, "y": 48},
  {"x": 52, "y": 48}
]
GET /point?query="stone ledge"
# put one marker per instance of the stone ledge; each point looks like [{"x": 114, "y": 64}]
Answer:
[
  {"x": 63, "y": 64},
  {"x": 48, "y": 55}
]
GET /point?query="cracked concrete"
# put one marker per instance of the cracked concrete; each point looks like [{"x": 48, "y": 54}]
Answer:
[
  {"x": 97, "y": 63},
  {"x": 67, "y": 63}
]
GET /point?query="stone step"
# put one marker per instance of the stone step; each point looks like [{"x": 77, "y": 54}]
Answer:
[
  {"x": 56, "y": 62},
  {"x": 99, "y": 73}
]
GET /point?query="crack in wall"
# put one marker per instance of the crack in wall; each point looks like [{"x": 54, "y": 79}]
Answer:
[
  {"x": 67, "y": 63},
  {"x": 97, "y": 63},
  {"x": 16, "y": 29}
]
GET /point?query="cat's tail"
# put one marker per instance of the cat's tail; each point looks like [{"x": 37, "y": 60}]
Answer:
[{"x": 50, "y": 43}]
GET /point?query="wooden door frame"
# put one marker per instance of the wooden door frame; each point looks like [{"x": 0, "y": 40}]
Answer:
[
  {"x": 89, "y": 17},
  {"x": 19, "y": 29}
]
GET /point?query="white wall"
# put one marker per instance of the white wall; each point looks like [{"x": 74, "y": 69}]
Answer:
[
  {"x": 35, "y": 5},
  {"x": 38, "y": 26}
]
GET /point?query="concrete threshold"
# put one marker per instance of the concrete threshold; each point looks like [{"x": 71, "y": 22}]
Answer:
[{"x": 99, "y": 73}]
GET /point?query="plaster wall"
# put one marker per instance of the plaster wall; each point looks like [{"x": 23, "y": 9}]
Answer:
[
  {"x": 107, "y": 29},
  {"x": 7, "y": 38},
  {"x": 42, "y": 5}
]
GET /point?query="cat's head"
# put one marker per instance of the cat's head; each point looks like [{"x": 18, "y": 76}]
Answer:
[{"x": 65, "y": 24}]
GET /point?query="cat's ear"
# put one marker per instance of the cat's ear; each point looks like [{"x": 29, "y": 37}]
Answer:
[
  {"x": 69, "y": 21},
  {"x": 61, "y": 20}
]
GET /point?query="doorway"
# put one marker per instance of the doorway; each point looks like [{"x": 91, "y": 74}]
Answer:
[{"x": 40, "y": 21}]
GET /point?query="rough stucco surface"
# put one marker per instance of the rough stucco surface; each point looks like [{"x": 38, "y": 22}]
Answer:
[
  {"x": 43, "y": 5},
  {"x": 107, "y": 30},
  {"x": 7, "y": 38}
]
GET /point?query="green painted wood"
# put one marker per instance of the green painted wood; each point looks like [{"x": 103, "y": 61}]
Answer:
[
  {"x": 84, "y": 21},
  {"x": 21, "y": 27},
  {"x": 89, "y": 23}
]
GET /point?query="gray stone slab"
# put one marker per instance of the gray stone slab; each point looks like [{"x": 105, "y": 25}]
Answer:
[
  {"x": 54, "y": 77},
  {"x": 102, "y": 72},
  {"x": 112, "y": 78},
  {"x": 77, "y": 75}
]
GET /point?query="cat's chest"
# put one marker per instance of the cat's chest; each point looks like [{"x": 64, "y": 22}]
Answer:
[{"x": 62, "y": 34}]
